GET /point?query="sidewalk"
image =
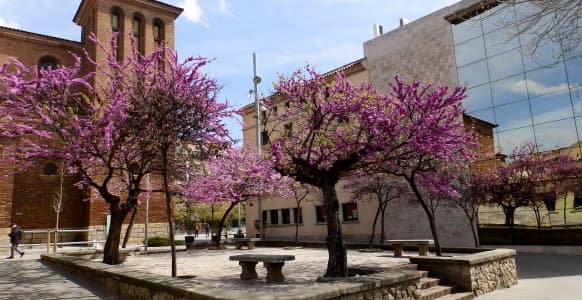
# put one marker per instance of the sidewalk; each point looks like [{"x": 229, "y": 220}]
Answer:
[{"x": 28, "y": 278}]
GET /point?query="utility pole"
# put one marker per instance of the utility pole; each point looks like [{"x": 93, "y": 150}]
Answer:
[{"x": 256, "y": 81}]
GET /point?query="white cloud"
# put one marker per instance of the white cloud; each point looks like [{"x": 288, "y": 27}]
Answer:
[
  {"x": 222, "y": 4},
  {"x": 192, "y": 10},
  {"x": 5, "y": 23},
  {"x": 534, "y": 87}
]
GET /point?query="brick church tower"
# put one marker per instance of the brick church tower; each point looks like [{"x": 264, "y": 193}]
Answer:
[{"x": 27, "y": 198}]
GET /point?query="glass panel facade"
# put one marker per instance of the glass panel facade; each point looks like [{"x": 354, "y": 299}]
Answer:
[
  {"x": 509, "y": 90},
  {"x": 530, "y": 97},
  {"x": 549, "y": 79},
  {"x": 474, "y": 74},
  {"x": 470, "y": 51},
  {"x": 505, "y": 65},
  {"x": 554, "y": 135},
  {"x": 478, "y": 98},
  {"x": 500, "y": 41}
]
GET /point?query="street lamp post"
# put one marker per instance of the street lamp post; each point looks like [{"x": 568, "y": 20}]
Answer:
[{"x": 256, "y": 81}]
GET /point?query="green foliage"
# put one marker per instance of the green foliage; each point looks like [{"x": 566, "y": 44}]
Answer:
[{"x": 159, "y": 241}]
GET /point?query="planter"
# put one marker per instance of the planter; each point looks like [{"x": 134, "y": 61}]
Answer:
[{"x": 189, "y": 241}]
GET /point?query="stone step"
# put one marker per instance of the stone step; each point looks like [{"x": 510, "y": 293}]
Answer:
[
  {"x": 458, "y": 296},
  {"x": 427, "y": 282},
  {"x": 422, "y": 273},
  {"x": 434, "y": 292}
]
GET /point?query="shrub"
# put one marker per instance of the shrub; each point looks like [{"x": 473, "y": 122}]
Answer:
[{"x": 159, "y": 241}]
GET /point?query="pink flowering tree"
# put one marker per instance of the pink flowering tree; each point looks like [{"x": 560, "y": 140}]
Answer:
[
  {"x": 57, "y": 115},
  {"x": 432, "y": 122},
  {"x": 174, "y": 107},
  {"x": 338, "y": 128},
  {"x": 234, "y": 176},
  {"x": 110, "y": 134},
  {"x": 527, "y": 179},
  {"x": 384, "y": 188}
]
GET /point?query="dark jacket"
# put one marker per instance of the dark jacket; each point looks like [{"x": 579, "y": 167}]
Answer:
[{"x": 15, "y": 235}]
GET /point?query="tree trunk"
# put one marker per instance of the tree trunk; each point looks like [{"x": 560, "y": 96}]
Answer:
[
  {"x": 509, "y": 220},
  {"x": 297, "y": 224},
  {"x": 169, "y": 210},
  {"x": 337, "y": 265},
  {"x": 129, "y": 227},
  {"x": 429, "y": 214},
  {"x": 222, "y": 220},
  {"x": 111, "y": 249},
  {"x": 382, "y": 221},
  {"x": 374, "y": 223}
]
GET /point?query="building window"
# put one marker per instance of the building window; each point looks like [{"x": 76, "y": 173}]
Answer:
[
  {"x": 49, "y": 169},
  {"x": 320, "y": 215},
  {"x": 578, "y": 198},
  {"x": 297, "y": 216},
  {"x": 274, "y": 216},
  {"x": 137, "y": 26},
  {"x": 264, "y": 138},
  {"x": 288, "y": 129},
  {"x": 264, "y": 217},
  {"x": 117, "y": 28},
  {"x": 285, "y": 216},
  {"x": 550, "y": 203},
  {"x": 48, "y": 63},
  {"x": 158, "y": 31},
  {"x": 350, "y": 211}
]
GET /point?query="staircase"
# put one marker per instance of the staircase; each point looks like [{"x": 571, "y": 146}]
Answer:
[{"x": 430, "y": 288}]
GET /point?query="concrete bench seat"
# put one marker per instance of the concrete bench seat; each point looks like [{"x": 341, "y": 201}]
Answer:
[
  {"x": 422, "y": 245},
  {"x": 248, "y": 242},
  {"x": 273, "y": 264}
]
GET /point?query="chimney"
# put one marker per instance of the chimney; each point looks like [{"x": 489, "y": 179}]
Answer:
[
  {"x": 378, "y": 31},
  {"x": 403, "y": 21}
]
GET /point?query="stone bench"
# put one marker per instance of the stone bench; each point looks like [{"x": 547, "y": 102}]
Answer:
[
  {"x": 422, "y": 245},
  {"x": 273, "y": 264},
  {"x": 248, "y": 242}
]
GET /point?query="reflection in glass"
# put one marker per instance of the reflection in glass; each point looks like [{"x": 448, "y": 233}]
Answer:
[
  {"x": 510, "y": 139},
  {"x": 509, "y": 90},
  {"x": 551, "y": 107},
  {"x": 467, "y": 30},
  {"x": 574, "y": 70},
  {"x": 470, "y": 51},
  {"x": 572, "y": 50},
  {"x": 473, "y": 74},
  {"x": 498, "y": 17},
  {"x": 546, "y": 54},
  {"x": 546, "y": 80},
  {"x": 485, "y": 115},
  {"x": 504, "y": 65},
  {"x": 550, "y": 136},
  {"x": 513, "y": 115},
  {"x": 478, "y": 98},
  {"x": 501, "y": 40}
]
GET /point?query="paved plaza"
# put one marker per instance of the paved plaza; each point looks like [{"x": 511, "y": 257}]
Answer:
[
  {"x": 542, "y": 276},
  {"x": 214, "y": 268}
]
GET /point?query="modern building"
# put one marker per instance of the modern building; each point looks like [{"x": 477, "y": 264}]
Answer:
[
  {"x": 26, "y": 198},
  {"x": 525, "y": 97}
]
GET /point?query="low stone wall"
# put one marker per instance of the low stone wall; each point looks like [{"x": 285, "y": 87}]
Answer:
[
  {"x": 479, "y": 273},
  {"x": 131, "y": 284}
]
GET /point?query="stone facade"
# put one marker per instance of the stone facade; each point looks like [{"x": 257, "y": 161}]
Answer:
[
  {"x": 488, "y": 277},
  {"x": 132, "y": 284},
  {"x": 479, "y": 273},
  {"x": 25, "y": 198}
]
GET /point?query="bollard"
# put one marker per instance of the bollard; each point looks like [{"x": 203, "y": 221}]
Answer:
[{"x": 48, "y": 241}]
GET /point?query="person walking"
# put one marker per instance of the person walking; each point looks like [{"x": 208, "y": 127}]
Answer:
[
  {"x": 207, "y": 229},
  {"x": 15, "y": 236}
]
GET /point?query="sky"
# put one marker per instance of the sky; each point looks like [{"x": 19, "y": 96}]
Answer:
[{"x": 284, "y": 34}]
